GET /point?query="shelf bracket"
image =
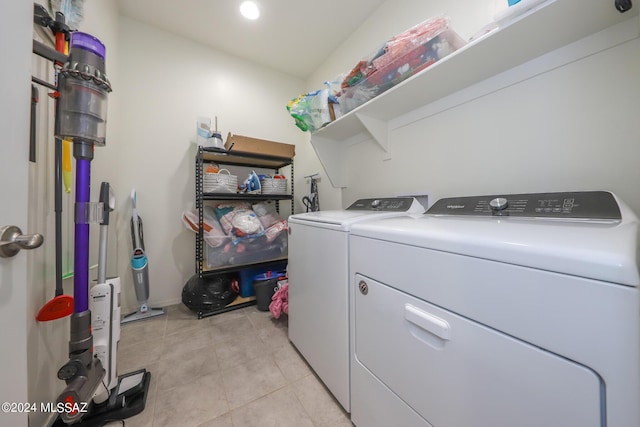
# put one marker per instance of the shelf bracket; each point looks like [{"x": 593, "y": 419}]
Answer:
[{"x": 379, "y": 130}]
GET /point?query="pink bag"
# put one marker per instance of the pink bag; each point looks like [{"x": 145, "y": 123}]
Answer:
[{"x": 280, "y": 301}]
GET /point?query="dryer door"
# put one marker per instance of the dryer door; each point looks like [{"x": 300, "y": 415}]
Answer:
[{"x": 458, "y": 373}]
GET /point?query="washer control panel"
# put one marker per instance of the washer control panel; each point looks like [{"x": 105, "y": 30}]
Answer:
[
  {"x": 389, "y": 204},
  {"x": 581, "y": 205}
]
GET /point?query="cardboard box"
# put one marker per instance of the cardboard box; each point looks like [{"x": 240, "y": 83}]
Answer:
[{"x": 259, "y": 146}]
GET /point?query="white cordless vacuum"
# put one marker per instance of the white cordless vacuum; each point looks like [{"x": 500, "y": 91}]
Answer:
[{"x": 140, "y": 269}]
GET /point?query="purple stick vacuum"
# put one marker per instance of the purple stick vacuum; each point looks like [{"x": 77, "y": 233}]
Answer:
[{"x": 81, "y": 117}]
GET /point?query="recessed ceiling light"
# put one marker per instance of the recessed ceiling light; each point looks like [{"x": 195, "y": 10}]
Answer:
[{"x": 249, "y": 10}]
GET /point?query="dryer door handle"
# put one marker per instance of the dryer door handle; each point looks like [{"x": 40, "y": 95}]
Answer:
[{"x": 430, "y": 323}]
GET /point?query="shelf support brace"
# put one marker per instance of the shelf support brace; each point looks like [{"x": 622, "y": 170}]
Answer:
[{"x": 379, "y": 130}]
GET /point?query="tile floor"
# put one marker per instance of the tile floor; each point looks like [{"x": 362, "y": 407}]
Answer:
[{"x": 232, "y": 369}]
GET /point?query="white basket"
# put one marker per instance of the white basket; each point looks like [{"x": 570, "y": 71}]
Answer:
[
  {"x": 273, "y": 186},
  {"x": 220, "y": 182}
]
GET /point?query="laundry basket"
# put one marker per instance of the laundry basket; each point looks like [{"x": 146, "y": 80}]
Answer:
[
  {"x": 221, "y": 182},
  {"x": 273, "y": 185}
]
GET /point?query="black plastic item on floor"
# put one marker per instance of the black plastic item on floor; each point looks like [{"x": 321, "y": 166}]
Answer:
[{"x": 208, "y": 293}]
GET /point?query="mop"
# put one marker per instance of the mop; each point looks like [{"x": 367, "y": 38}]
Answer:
[
  {"x": 62, "y": 305},
  {"x": 140, "y": 269}
]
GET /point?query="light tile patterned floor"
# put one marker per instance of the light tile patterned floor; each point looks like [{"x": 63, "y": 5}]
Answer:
[{"x": 233, "y": 369}]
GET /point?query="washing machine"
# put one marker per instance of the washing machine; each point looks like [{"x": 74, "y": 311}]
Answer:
[
  {"x": 319, "y": 285},
  {"x": 498, "y": 311}
]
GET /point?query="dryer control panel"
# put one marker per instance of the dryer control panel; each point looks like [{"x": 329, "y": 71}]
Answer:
[
  {"x": 576, "y": 206},
  {"x": 389, "y": 204}
]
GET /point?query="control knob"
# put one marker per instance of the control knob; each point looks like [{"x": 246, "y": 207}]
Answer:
[{"x": 499, "y": 204}]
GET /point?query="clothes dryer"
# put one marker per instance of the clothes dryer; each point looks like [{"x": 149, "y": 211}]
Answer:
[
  {"x": 319, "y": 285},
  {"x": 498, "y": 311}
]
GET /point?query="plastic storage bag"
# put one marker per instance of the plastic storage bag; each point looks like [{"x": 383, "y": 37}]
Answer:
[
  {"x": 398, "y": 59},
  {"x": 211, "y": 230},
  {"x": 310, "y": 110}
]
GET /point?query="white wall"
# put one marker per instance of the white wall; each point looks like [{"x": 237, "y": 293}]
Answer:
[
  {"x": 165, "y": 82},
  {"x": 573, "y": 127}
]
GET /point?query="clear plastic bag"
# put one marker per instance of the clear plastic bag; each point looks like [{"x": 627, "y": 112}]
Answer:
[
  {"x": 310, "y": 110},
  {"x": 397, "y": 59},
  {"x": 211, "y": 230}
]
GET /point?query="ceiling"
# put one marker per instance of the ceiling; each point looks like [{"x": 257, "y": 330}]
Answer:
[{"x": 292, "y": 36}]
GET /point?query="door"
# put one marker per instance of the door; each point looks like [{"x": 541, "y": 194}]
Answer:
[
  {"x": 15, "y": 87},
  {"x": 456, "y": 372}
]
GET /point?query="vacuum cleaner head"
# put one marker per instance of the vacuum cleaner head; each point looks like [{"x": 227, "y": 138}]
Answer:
[{"x": 207, "y": 294}]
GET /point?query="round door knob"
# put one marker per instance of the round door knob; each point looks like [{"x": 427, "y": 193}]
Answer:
[{"x": 499, "y": 203}]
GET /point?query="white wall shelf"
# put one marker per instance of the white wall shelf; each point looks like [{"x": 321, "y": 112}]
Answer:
[{"x": 546, "y": 27}]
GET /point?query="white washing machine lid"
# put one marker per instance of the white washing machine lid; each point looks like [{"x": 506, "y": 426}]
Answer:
[
  {"x": 344, "y": 219},
  {"x": 336, "y": 218},
  {"x": 595, "y": 250}
]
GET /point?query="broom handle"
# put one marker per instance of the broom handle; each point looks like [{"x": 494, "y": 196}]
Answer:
[{"x": 58, "y": 214}]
